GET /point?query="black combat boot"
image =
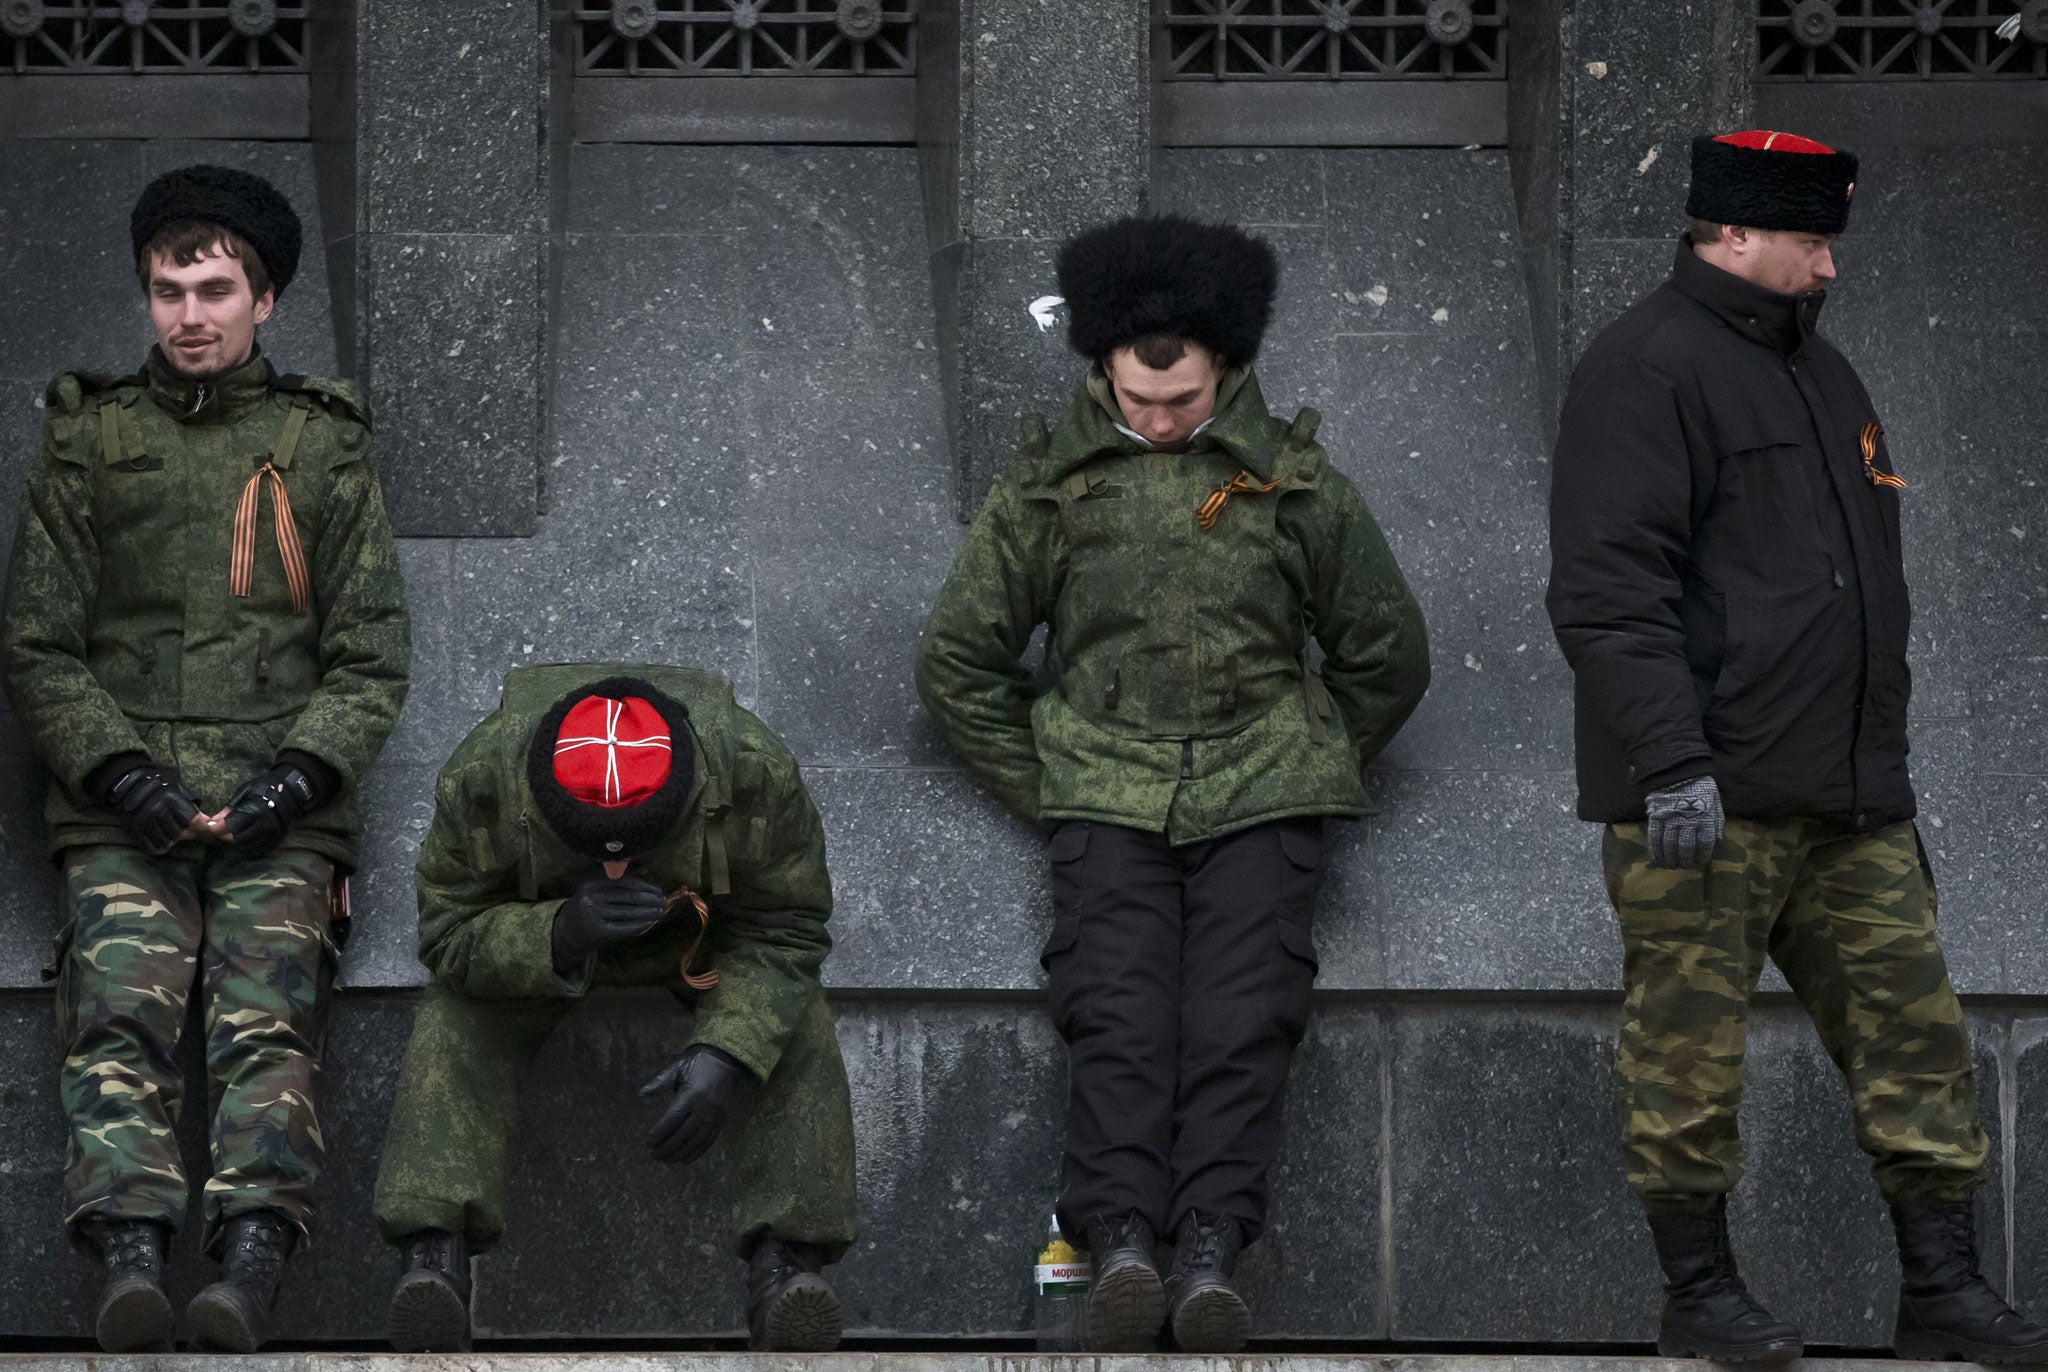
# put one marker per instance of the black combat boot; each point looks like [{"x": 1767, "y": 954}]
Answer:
[
  {"x": 1127, "y": 1304},
  {"x": 790, "y": 1308},
  {"x": 1207, "y": 1314},
  {"x": 134, "y": 1313},
  {"x": 1708, "y": 1312},
  {"x": 233, "y": 1314},
  {"x": 429, "y": 1310},
  {"x": 1947, "y": 1310}
]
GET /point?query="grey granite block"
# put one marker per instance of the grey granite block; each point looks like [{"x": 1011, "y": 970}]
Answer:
[
  {"x": 452, "y": 125},
  {"x": 28, "y": 907},
  {"x": 436, "y": 713},
  {"x": 1320, "y": 1268},
  {"x": 1008, "y": 365},
  {"x": 1487, "y": 881},
  {"x": 1425, "y": 242},
  {"x": 1975, "y": 858},
  {"x": 849, "y": 510},
  {"x": 1986, "y": 237},
  {"x": 1666, "y": 73},
  {"x": 1511, "y": 1219},
  {"x": 2026, "y": 1276},
  {"x": 66, "y": 259},
  {"x": 454, "y": 367},
  {"x": 1261, "y": 187},
  {"x": 934, "y": 885},
  {"x": 828, "y": 253},
  {"x": 1053, "y": 144},
  {"x": 2003, "y": 503},
  {"x": 1420, "y": 417},
  {"x": 652, "y": 188},
  {"x": 382, "y": 951},
  {"x": 641, "y": 311}
]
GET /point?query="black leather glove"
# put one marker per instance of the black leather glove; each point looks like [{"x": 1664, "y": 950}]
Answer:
[
  {"x": 701, "y": 1080},
  {"x": 1685, "y": 823},
  {"x": 601, "y": 914},
  {"x": 153, "y": 805},
  {"x": 264, "y": 810}
]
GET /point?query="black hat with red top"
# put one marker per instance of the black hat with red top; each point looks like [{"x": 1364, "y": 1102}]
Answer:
[
  {"x": 1760, "y": 179},
  {"x": 610, "y": 766},
  {"x": 1770, "y": 181}
]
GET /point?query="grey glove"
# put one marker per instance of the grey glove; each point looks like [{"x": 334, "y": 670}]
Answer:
[{"x": 1685, "y": 823}]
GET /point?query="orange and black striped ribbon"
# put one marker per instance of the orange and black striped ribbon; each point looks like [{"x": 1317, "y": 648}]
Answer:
[
  {"x": 1871, "y": 433},
  {"x": 242, "y": 565},
  {"x": 699, "y": 981},
  {"x": 1241, "y": 484}
]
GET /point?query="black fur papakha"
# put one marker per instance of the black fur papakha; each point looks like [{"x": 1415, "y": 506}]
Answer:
[
  {"x": 238, "y": 200},
  {"x": 606, "y": 834},
  {"x": 1167, "y": 274},
  {"x": 1760, "y": 187}
]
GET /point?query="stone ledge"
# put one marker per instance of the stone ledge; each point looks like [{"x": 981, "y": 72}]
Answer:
[{"x": 883, "y": 1360}]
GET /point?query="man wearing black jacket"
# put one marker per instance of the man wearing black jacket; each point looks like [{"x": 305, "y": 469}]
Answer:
[{"x": 1727, "y": 585}]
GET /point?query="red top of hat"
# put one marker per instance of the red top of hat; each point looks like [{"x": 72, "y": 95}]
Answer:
[
  {"x": 612, "y": 753},
  {"x": 1769, "y": 141}
]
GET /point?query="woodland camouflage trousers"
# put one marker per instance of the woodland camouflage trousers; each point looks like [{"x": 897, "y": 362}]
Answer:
[{"x": 1849, "y": 917}]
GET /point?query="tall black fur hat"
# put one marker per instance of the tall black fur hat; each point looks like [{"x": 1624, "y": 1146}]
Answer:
[
  {"x": 644, "y": 788},
  {"x": 238, "y": 200},
  {"x": 1764, "y": 180},
  {"x": 1167, "y": 274}
]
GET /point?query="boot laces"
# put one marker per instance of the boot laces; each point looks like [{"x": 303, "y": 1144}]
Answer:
[
  {"x": 1203, "y": 1244},
  {"x": 130, "y": 1250},
  {"x": 434, "y": 1252},
  {"x": 258, "y": 1251}
]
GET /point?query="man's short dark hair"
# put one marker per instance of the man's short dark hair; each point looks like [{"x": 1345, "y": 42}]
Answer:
[
  {"x": 1160, "y": 350},
  {"x": 187, "y": 240},
  {"x": 1704, "y": 230}
]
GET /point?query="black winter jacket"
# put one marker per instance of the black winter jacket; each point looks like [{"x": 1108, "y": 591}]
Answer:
[{"x": 1725, "y": 573}]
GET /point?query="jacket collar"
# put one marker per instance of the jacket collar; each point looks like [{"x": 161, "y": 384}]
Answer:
[
  {"x": 1780, "y": 322},
  {"x": 1094, "y": 426},
  {"x": 217, "y": 399}
]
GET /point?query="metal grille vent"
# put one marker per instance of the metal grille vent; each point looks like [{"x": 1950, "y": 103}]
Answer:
[
  {"x": 158, "y": 37},
  {"x": 1902, "y": 40},
  {"x": 1335, "y": 40},
  {"x": 747, "y": 38}
]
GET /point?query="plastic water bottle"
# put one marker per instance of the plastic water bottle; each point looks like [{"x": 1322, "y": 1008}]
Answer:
[{"x": 1060, "y": 1280}]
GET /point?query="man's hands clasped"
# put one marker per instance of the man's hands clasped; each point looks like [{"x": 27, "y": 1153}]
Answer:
[
  {"x": 154, "y": 807},
  {"x": 157, "y": 811},
  {"x": 1685, "y": 823},
  {"x": 604, "y": 912}
]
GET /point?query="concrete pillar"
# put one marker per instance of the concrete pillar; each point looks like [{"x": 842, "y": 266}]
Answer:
[
  {"x": 1035, "y": 120},
  {"x": 445, "y": 124}
]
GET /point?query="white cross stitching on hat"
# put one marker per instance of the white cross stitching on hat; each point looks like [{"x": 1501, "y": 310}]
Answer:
[{"x": 611, "y": 743}]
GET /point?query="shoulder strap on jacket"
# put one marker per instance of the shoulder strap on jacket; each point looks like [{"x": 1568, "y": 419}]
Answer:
[{"x": 337, "y": 396}]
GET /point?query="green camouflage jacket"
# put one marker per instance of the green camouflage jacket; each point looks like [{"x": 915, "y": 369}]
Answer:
[
  {"x": 122, "y": 633},
  {"x": 492, "y": 874},
  {"x": 1185, "y": 703}
]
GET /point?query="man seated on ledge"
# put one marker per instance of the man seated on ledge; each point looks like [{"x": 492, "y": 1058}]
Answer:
[
  {"x": 207, "y": 680},
  {"x": 624, "y": 826}
]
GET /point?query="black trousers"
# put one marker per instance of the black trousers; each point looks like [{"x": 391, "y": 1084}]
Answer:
[{"x": 1179, "y": 979}]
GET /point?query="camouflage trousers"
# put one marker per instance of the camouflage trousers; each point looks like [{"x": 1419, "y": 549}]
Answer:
[
  {"x": 1849, "y": 917},
  {"x": 259, "y": 938},
  {"x": 786, "y": 1151}
]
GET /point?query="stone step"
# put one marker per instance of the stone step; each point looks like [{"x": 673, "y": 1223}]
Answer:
[{"x": 886, "y": 1360}]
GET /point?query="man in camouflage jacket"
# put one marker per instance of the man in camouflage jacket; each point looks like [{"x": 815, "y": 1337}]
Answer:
[
  {"x": 1185, "y": 546},
  {"x": 206, "y": 643},
  {"x": 624, "y": 826}
]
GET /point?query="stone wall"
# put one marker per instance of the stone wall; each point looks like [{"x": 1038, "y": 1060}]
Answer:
[{"x": 751, "y": 471}]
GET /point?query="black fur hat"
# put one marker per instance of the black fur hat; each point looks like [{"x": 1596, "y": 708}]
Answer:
[
  {"x": 1760, "y": 179},
  {"x": 238, "y": 200},
  {"x": 1167, "y": 274},
  {"x": 609, "y": 832}
]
